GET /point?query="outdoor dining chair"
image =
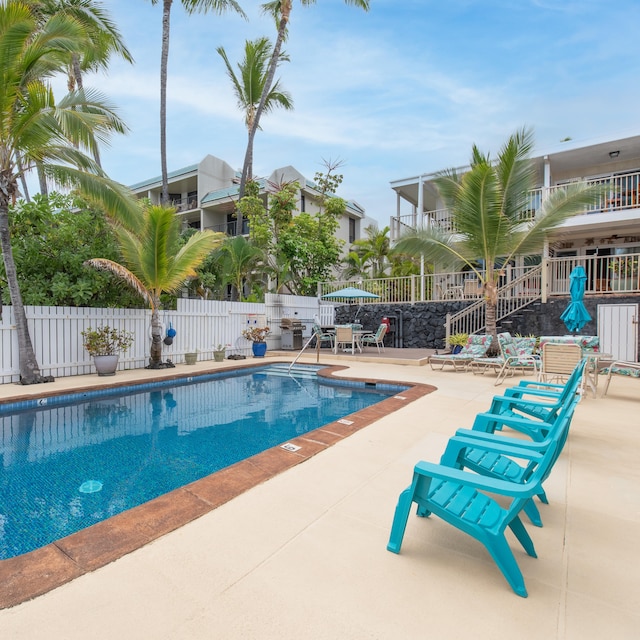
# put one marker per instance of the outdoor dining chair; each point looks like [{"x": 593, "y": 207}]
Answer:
[
  {"x": 346, "y": 337},
  {"x": 376, "y": 338},
  {"x": 322, "y": 336},
  {"x": 559, "y": 360}
]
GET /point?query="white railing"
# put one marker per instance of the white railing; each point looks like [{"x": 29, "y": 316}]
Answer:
[
  {"x": 513, "y": 295},
  {"x": 200, "y": 325},
  {"x": 622, "y": 192},
  {"x": 605, "y": 274}
]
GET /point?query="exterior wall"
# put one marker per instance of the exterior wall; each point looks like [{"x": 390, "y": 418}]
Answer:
[{"x": 213, "y": 174}]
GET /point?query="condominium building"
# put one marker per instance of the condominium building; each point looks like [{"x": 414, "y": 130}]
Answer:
[{"x": 205, "y": 196}]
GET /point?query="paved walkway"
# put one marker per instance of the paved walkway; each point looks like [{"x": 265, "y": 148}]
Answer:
[{"x": 303, "y": 555}]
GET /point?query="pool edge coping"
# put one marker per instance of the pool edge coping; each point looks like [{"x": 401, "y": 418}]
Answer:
[{"x": 37, "y": 572}]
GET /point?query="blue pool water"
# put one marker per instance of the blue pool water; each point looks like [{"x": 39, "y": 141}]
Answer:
[{"x": 69, "y": 462}]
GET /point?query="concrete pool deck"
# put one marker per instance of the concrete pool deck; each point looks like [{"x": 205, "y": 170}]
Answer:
[{"x": 303, "y": 555}]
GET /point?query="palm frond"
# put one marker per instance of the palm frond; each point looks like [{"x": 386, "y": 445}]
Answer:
[{"x": 124, "y": 274}]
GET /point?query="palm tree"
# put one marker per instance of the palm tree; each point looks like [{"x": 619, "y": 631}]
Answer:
[
  {"x": 281, "y": 11},
  {"x": 374, "y": 250},
  {"x": 249, "y": 87},
  {"x": 190, "y": 6},
  {"x": 156, "y": 261},
  {"x": 486, "y": 206},
  {"x": 241, "y": 259},
  {"x": 101, "y": 37},
  {"x": 36, "y": 130}
]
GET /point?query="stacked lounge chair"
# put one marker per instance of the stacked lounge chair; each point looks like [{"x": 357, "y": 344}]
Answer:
[{"x": 479, "y": 464}]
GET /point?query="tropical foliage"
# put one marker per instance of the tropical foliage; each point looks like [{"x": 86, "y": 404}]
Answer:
[
  {"x": 248, "y": 85},
  {"x": 155, "y": 260},
  {"x": 51, "y": 237},
  {"x": 486, "y": 205},
  {"x": 298, "y": 250},
  {"x": 55, "y": 136}
]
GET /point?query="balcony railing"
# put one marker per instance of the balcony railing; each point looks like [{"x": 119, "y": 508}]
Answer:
[
  {"x": 185, "y": 204},
  {"x": 621, "y": 192},
  {"x": 605, "y": 275},
  {"x": 230, "y": 228}
]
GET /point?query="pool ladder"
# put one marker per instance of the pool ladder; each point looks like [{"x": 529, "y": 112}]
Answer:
[{"x": 307, "y": 343}]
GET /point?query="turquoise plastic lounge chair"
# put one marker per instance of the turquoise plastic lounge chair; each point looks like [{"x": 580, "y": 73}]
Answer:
[
  {"x": 538, "y": 403},
  {"x": 467, "y": 449},
  {"x": 460, "y": 498}
]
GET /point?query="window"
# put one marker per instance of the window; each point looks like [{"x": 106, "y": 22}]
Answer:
[
  {"x": 303, "y": 204},
  {"x": 352, "y": 230}
]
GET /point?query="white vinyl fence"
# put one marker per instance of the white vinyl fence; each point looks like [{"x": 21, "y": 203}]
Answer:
[{"x": 200, "y": 326}]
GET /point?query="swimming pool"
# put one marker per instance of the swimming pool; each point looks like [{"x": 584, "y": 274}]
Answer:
[{"x": 69, "y": 462}]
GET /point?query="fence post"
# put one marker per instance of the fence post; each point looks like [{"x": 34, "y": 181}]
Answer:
[
  {"x": 447, "y": 330},
  {"x": 544, "y": 279}
]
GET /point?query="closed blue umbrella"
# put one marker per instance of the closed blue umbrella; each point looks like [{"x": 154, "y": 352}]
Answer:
[{"x": 575, "y": 316}]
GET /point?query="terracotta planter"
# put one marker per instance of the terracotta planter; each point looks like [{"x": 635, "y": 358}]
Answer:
[{"x": 106, "y": 365}]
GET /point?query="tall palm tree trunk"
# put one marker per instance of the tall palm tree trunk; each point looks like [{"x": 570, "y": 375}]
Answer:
[
  {"x": 285, "y": 12},
  {"x": 164, "y": 59},
  {"x": 29, "y": 369},
  {"x": 155, "y": 352}
]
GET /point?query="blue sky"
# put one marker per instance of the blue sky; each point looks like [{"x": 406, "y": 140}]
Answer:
[{"x": 404, "y": 89}]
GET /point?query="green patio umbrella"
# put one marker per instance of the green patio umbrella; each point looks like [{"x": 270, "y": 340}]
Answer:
[
  {"x": 350, "y": 293},
  {"x": 575, "y": 316}
]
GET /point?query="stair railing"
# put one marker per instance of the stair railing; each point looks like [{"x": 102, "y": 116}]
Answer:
[{"x": 512, "y": 297}]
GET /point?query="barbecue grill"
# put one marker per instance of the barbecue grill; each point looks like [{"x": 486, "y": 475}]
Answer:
[{"x": 291, "y": 330}]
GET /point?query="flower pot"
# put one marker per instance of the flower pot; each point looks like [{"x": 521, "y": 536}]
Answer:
[
  {"x": 106, "y": 365},
  {"x": 190, "y": 358},
  {"x": 259, "y": 349},
  {"x": 218, "y": 356},
  {"x": 456, "y": 348}
]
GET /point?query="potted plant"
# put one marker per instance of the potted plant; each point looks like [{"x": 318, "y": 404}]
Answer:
[
  {"x": 626, "y": 273},
  {"x": 218, "y": 352},
  {"x": 457, "y": 341},
  {"x": 257, "y": 336},
  {"x": 104, "y": 344},
  {"x": 191, "y": 356}
]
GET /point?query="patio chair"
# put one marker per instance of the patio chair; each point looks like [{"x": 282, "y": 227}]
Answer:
[
  {"x": 620, "y": 368},
  {"x": 559, "y": 360},
  {"x": 517, "y": 354},
  {"x": 476, "y": 347},
  {"x": 322, "y": 336},
  {"x": 376, "y": 338},
  {"x": 461, "y": 499},
  {"x": 472, "y": 288},
  {"x": 537, "y": 400},
  {"x": 346, "y": 337},
  {"x": 468, "y": 450}
]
